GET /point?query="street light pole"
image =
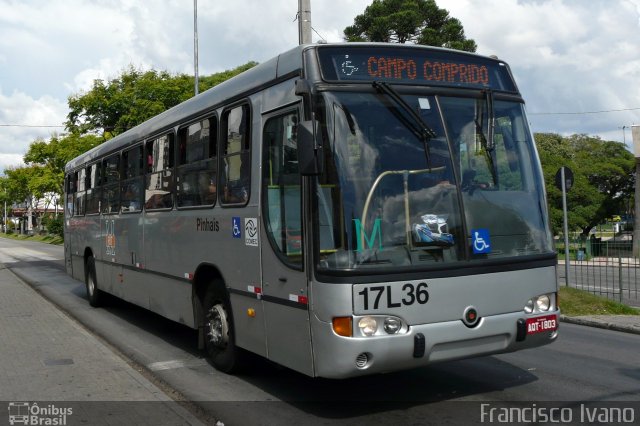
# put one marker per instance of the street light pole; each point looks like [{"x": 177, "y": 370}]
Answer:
[
  {"x": 195, "y": 44},
  {"x": 635, "y": 135}
]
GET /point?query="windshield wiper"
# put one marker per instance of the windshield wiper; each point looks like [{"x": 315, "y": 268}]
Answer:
[
  {"x": 488, "y": 146},
  {"x": 418, "y": 126}
]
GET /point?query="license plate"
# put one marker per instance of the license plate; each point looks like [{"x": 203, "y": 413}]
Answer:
[{"x": 542, "y": 324}]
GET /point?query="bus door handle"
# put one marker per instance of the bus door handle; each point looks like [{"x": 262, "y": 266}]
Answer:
[
  {"x": 133, "y": 258},
  {"x": 282, "y": 279}
]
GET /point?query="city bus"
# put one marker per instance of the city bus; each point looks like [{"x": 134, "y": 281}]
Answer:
[{"x": 341, "y": 210}]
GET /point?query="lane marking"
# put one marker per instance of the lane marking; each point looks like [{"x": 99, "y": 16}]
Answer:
[{"x": 176, "y": 363}]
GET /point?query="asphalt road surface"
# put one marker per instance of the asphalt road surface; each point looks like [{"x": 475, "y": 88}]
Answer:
[{"x": 584, "y": 366}]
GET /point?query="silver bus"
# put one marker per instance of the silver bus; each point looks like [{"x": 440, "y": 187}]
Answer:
[{"x": 341, "y": 209}]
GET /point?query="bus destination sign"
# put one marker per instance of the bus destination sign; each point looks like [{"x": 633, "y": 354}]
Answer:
[{"x": 416, "y": 66}]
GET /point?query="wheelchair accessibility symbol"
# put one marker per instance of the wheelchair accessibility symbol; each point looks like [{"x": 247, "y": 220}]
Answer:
[
  {"x": 481, "y": 241},
  {"x": 237, "y": 233}
]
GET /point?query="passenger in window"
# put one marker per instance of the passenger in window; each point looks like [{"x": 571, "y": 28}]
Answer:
[
  {"x": 132, "y": 198},
  {"x": 236, "y": 191},
  {"x": 209, "y": 188}
]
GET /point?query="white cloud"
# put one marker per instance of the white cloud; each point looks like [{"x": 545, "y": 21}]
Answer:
[
  {"x": 567, "y": 55},
  {"x": 18, "y": 114}
]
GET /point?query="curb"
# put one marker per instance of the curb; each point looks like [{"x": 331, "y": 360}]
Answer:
[{"x": 600, "y": 324}]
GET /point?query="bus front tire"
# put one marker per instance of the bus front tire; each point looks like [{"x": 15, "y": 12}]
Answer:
[
  {"x": 219, "y": 336},
  {"x": 93, "y": 293}
]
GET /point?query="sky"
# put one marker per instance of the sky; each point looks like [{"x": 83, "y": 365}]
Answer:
[{"x": 576, "y": 62}]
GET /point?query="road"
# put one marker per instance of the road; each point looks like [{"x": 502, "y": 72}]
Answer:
[{"x": 585, "y": 364}]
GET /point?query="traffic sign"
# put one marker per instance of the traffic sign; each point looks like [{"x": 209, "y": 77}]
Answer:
[{"x": 568, "y": 178}]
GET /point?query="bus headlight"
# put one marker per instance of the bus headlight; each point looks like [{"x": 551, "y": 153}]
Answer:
[
  {"x": 543, "y": 303},
  {"x": 392, "y": 325},
  {"x": 368, "y": 326},
  {"x": 379, "y": 325},
  {"x": 539, "y": 304},
  {"x": 528, "y": 308}
]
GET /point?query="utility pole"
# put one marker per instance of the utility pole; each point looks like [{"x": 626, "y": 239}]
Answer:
[
  {"x": 195, "y": 44},
  {"x": 635, "y": 134},
  {"x": 304, "y": 21}
]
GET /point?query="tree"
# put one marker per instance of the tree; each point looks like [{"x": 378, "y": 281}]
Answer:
[
  {"x": 603, "y": 178},
  {"x": 120, "y": 104},
  {"x": 20, "y": 185},
  {"x": 51, "y": 158},
  {"x": 402, "y": 21}
]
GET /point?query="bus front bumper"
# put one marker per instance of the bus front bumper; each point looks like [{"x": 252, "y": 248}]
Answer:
[{"x": 342, "y": 357}]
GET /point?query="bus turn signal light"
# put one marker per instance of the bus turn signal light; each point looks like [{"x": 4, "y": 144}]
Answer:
[{"x": 343, "y": 326}]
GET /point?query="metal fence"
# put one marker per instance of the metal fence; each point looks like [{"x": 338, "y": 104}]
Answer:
[{"x": 603, "y": 267}]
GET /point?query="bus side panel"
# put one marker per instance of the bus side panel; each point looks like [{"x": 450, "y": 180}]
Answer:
[
  {"x": 239, "y": 264},
  {"x": 167, "y": 296},
  {"x": 129, "y": 231},
  {"x": 83, "y": 233},
  {"x": 289, "y": 337},
  {"x": 249, "y": 329},
  {"x": 111, "y": 278},
  {"x": 75, "y": 242}
]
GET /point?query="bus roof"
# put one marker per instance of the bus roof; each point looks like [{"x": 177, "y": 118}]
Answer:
[{"x": 286, "y": 64}]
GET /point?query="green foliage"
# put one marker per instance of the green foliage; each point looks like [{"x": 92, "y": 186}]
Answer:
[
  {"x": 603, "y": 178},
  {"x": 54, "y": 225},
  {"x": 416, "y": 21},
  {"x": 122, "y": 103},
  {"x": 17, "y": 182},
  {"x": 51, "y": 157}
]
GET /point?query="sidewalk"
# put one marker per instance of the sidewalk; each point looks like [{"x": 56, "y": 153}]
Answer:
[
  {"x": 624, "y": 323},
  {"x": 47, "y": 359}
]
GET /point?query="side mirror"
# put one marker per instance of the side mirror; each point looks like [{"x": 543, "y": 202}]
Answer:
[{"x": 309, "y": 152}]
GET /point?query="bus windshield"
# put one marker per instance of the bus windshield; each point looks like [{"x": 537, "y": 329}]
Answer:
[{"x": 465, "y": 189}]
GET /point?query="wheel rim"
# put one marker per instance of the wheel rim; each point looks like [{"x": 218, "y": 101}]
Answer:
[
  {"x": 91, "y": 286},
  {"x": 218, "y": 326}
]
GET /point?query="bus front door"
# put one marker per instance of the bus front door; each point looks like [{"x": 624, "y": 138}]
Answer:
[{"x": 284, "y": 283}]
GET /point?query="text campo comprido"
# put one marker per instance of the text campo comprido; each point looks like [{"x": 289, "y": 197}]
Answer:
[{"x": 400, "y": 69}]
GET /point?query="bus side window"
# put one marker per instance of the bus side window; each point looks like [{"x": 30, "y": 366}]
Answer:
[
  {"x": 111, "y": 185},
  {"x": 197, "y": 164},
  {"x": 281, "y": 187},
  {"x": 159, "y": 176},
  {"x": 79, "y": 201},
  {"x": 70, "y": 191},
  {"x": 235, "y": 176},
  {"x": 131, "y": 194},
  {"x": 93, "y": 189}
]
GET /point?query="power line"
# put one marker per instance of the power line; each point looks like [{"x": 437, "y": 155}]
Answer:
[
  {"x": 583, "y": 112},
  {"x": 27, "y": 125}
]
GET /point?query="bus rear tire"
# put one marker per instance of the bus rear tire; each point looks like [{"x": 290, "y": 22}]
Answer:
[
  {"x": 219, "y": 335},
  {"x": 94, "y": 295}
]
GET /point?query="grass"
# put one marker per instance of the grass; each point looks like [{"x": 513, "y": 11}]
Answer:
[
  {"x": 49, "y": 239},
  {"x": 574, "y": 302}
]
